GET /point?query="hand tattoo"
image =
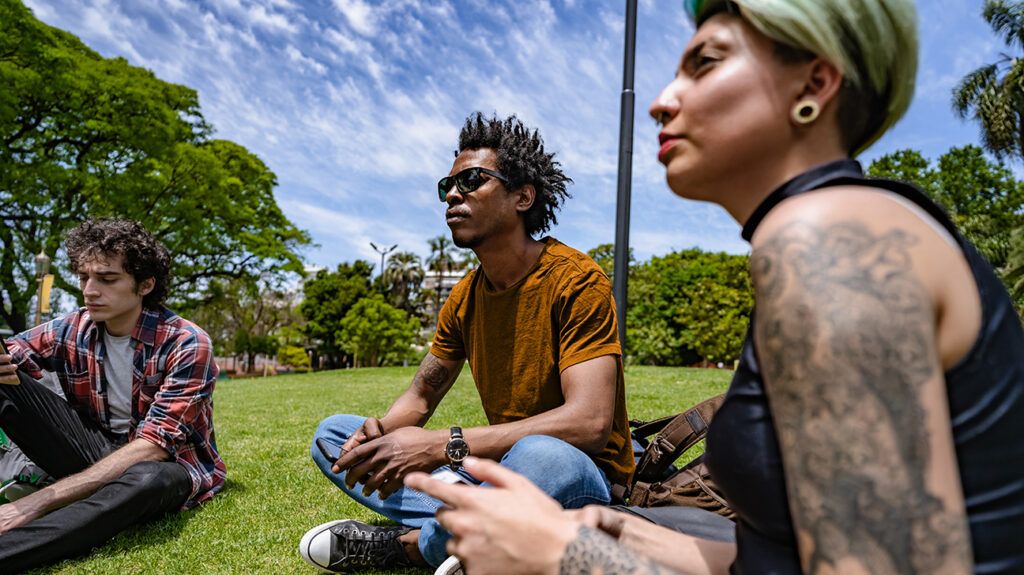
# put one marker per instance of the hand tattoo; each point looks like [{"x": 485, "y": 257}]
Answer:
[{"x": 594, "y": 552}]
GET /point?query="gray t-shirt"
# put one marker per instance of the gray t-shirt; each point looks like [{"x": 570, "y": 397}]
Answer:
[{"x": 118, "y": 370}]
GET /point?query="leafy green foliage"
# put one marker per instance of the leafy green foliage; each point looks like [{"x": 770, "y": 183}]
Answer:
[
  {"x": 376, "y": 333},
  {"x": 82, "y": 135},
  {"x": 604, "y": 256},
  {"x": 246, "y": 317},
  {"x": 275, "y": 493},
  {"x": 292, "y": 355},
  {"x": 687, "y": 306},
  {"x": 984, "y": 199},
  {"x": 993, "y": 94},
  {"x": 327, "y": 299}
]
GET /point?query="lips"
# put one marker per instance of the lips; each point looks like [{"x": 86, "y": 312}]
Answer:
[
  {"x": 667, "y": 141},
  {"x": 455, "y": 216}
]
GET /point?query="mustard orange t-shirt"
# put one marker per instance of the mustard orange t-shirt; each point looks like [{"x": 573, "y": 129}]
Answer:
[{"x": 519, "y": 340}]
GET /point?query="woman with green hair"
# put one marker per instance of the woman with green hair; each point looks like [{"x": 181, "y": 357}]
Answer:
[{"x": 874, "y": 422}]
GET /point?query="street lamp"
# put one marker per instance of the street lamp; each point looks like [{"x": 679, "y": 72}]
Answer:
[
  {"x": 383, "y": 252},
  {"x": 42, "y": 268}
]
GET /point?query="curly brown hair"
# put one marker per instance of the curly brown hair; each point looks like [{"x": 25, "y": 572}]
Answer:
[{"x": 143, "y": 255}]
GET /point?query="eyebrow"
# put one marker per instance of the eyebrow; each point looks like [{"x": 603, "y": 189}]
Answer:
[
  {"x": 102, "y": 273},
  {"x": 691, "y": 54}
]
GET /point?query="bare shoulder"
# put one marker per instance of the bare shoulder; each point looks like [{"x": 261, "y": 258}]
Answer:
[
  {"x": 886, "y": 237},
  {"x": 846, "y": 333},
  {"x": 873, "y": 208}
]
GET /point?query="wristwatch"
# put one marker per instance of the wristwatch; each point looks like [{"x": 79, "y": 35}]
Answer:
[{"x": 457, "y": 449}]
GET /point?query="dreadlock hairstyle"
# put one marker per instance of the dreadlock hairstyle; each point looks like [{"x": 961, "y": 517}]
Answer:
[
  {"x": 143, "y": 255},
  {"x": 521, "y": 159}
]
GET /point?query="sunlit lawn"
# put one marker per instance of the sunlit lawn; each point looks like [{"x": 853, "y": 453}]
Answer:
[{"x": 274, "y": 492}]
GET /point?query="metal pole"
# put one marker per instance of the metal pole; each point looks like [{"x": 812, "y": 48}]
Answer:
[
  {"x": 383, "y": 252},
  {"x": 621, "y": 272}
]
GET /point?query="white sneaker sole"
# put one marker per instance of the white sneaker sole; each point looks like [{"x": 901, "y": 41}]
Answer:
[
  {"x": 307, "y": 539},
  {"x": 451, "y": 566}
]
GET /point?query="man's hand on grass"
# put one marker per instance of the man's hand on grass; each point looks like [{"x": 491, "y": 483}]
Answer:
[
  {"x": 17, "y": 514},
  {"x": 382, "y": 463}
]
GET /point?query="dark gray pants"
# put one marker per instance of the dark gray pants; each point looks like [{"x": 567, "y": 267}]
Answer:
[{"x": 63, "y": 443}]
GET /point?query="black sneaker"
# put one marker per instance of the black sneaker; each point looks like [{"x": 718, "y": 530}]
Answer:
[{"x": 347, "y": 546}]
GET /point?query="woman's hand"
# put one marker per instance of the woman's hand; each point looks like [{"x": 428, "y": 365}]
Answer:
[{"x": 510, "y": 526}]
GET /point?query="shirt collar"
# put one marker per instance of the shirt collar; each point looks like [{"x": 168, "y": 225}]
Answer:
[{"x": 146, "y": 327}]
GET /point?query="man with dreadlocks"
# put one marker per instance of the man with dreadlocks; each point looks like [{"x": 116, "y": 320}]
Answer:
[{"x": 535, "y": 321}]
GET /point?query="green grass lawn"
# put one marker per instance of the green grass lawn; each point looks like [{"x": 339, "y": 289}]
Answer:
[{"x": 274, "y": 493}]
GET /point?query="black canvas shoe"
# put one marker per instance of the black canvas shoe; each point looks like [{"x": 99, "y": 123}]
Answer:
[{"x": 347, "y": 546}]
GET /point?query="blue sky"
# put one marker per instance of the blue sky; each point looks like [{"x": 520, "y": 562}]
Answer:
[{"x": 356, "y": 104}]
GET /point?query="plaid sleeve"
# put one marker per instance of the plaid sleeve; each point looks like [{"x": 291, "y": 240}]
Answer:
[
  {"x": 31, "y": 350},
  {"x": 183, "y": 402}
]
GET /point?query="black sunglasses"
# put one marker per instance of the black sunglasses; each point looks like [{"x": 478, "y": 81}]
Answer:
[{"x": 466, "y": 181}]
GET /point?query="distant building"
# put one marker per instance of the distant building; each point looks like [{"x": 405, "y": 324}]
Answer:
[{"x": 447, "y": 281}]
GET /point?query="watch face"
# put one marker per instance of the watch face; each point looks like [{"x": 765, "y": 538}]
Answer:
[{"x": 457, "y": 449}]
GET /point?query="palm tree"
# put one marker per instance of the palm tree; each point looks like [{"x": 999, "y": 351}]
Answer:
[
  {"x": 440, "y": 262},
  {"x": 468, "y": 260},
  {"x": 994, "y": 94},
  {"x": 404, "y": 275}
]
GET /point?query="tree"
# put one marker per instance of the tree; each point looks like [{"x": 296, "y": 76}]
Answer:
[
  {"x": 82, "y": 135},
  {"x": 376, "y": 332},
  {"x": 689, "y": 305},
  {"x": 981, "y": 196},
  {"x": 248, "y": 318},
  {"x": 1015, "y": 269},
  {"x": 440, "y": 262},
  {"x": 294, "y": 356},
  {"x": 994, "y": 93},
  {"x": 604, "y": 256},
  {"x": 327, "y": 299},
  {"x": 403, "y": 278}
]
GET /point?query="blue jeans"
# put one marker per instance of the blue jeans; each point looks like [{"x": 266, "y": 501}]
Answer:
[{"x": 557, "y": 468}]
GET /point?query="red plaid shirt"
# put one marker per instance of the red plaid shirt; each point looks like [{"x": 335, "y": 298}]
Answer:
[{"x": 172, "y": 384}]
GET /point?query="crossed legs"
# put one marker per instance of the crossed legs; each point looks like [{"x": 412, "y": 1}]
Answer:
[{"x": 559, "y": 469}]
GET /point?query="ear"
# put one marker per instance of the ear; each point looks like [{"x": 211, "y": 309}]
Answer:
[
  {"x": 145, "y": 286},
  {"x": 822, "y": 83},
  {"x": 526, "y": 194}
]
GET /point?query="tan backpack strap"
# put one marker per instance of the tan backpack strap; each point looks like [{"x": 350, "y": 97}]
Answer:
[{"x": 678, "y": 434}]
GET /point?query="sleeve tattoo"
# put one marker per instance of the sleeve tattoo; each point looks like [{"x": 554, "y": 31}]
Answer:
[
  {"x": 846, "y": 339},
  {"x": 594, "y": 552}
]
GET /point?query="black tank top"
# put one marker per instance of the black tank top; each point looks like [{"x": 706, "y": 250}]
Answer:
[{"x": 986, "y": 402}]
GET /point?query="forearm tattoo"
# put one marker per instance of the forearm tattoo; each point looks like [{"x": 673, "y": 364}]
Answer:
[
  {"x": 594, "y": 552},
  {"x": 433, "y": 374},
  {"x": 845, "y": 336}
]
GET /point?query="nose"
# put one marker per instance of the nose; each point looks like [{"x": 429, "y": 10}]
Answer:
[
  {"x": 453, "y": 196},
  {"x": 89, "y": 288},
  {"x": 666, "y": 105}
]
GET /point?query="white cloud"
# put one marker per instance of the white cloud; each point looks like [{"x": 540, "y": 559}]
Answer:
[
  {"x": 359, "y": 15},
  {"x": 356, "y": 105},
  {"x": 305, "y": 62}
]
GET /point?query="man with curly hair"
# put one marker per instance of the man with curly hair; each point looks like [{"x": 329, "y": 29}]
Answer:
[
  {"x": 134, "y": 437},
  {"x": 536, "y": 322}
]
